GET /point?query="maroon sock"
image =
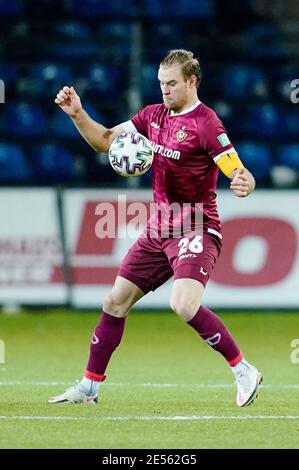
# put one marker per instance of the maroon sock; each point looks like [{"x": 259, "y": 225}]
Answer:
[
  {"x": 106, "y": 338},
  {"x": 215, "y": 333}
]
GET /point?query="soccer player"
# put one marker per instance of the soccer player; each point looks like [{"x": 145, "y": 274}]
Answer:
[{"x": 190, "y": 145}]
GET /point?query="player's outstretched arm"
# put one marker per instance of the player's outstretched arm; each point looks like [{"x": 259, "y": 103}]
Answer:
[
  {"x": 95, "y": 134},
  {"x": 242, "y": 182}
]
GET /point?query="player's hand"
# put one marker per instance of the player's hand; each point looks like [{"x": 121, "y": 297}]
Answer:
[
  {"x": 240, "y": 183},
  {"x": 68, "y": 100}
]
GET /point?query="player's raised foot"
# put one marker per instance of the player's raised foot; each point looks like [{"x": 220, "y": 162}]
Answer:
[
  {"x": 74, "y": 394},
  {"x": 247, "y": 385}
]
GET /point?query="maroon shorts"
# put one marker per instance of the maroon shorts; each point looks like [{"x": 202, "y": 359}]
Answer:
[{"x": 152, "y": 261}]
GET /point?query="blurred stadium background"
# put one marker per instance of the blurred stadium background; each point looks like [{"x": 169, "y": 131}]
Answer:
[
  {"x": 51, "y": 183},
  {"x": 109, "y": 50}
]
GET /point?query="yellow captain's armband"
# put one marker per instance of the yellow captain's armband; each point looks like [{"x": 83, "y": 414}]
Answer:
[{"x": 228, "y": 162}]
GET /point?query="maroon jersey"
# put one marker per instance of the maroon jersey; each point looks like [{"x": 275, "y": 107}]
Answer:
[{"x": 186, "y": 147}]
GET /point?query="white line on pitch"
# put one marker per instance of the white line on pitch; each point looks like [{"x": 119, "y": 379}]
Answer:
[
  {"x": 149, "y": 385},
  {"x": 150, "y": 418}
]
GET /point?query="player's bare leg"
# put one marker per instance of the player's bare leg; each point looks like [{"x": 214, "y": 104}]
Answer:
[
  {"x": 185, "y": 300},
  {"x": 123, "y": 295},
  {"x": 105, "y": 339}
]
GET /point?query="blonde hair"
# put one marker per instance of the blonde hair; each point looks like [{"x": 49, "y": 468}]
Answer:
[{"x": 190, "y": 65}]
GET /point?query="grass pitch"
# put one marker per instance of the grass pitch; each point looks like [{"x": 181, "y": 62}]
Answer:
[{"x": 165, "y": 388}]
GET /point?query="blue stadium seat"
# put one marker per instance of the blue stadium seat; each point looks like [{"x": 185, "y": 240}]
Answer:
[
  {"x": 115, "y": 30},
  {"x": 225, "y": 111},
  {"x": 8, "y": 73},
  {"x": 257, "y": 158},
  {"x": 75, "y": 30},
  {"x": 61, "y": 125},
  {"x": 46, "y": 9},
  {"x": 288, "y": 155},
  {"x": 24, "y": 119},
  {"x": 91, "y": 8},
  {"x": 150, "y": 87},
  {"x": 10, "y": 7},
  {"x": 264, "y": 41},
  {"x": 116, "y": 34},
  {"x": 161, "y": 38},
  {"x": 70, "y": 50},
  {"x": 13, "y": 164},
  {"x": 30, "y": 88},
  {"x": 102, "y": 78},
  {"x": 168, "y": 33},
  {"x": 50, "y": 72},
  {"x": 52, "y": 164},
  {"x": 153, "y": 8},
  {"x": 194, "y": 8},
  {"x": 92, "y": 110},
  {"x": 267, "y": 120},
  {"x": 123, "y": 7},
  {"x": 242, "y": 80},
  {"x": 283, "y": 77},
  {"x": 45, "y": 79},
  {"x": 102, "y": 8},
  {"x": 292, "y": 123}
]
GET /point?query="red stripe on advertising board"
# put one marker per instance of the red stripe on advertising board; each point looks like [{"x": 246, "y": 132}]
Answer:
[
  {"x": 57, "y": 275},
  {"x": 94, "y": 275},
  {"x": 86, "y": 275}
]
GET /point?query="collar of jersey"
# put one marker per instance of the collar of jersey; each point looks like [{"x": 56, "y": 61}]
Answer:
[{"x": 188, "y": 110}]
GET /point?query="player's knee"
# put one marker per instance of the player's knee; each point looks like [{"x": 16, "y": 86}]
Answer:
[
  {"x": 184, "y": 308},
  {"x": 114, "y": 306}
]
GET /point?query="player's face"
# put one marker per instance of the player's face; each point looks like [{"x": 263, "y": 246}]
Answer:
[{"x": 175, "y": 88}]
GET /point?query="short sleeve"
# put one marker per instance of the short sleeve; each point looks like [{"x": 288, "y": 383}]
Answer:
[
  {"x": 140, "y": 120},
  {"x": 213, "y": 137}
]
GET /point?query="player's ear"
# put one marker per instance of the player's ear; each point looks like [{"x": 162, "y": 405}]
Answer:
[{"x": 192, "y": 80}]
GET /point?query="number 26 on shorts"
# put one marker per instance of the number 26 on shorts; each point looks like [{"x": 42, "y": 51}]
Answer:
[{"x": 195, "y": 245}]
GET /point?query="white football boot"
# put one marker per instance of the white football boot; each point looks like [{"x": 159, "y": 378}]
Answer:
[
  {"x": 247, "y": 382},
  {"x": 74, "y": 394}
]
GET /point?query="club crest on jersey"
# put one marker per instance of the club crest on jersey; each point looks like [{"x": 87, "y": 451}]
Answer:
[{"x": 181, "y": 135}]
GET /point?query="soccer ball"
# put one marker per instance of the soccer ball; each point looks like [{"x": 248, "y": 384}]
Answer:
[{"x": 131, "y": 154}]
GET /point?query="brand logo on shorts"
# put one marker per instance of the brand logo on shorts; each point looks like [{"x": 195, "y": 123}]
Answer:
[
  {"x": 95, "y": 339},
  {"x": 181, "y": 135},
  {"x": 202, "y": 271}
]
